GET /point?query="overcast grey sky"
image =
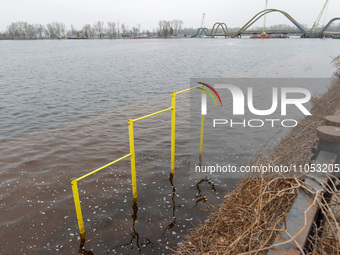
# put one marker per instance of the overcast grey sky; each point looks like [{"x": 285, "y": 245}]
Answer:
[{"x": 149, "y": 12}]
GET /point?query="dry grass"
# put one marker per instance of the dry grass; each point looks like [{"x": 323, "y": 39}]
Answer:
[
  {"x": 326, "y": 237},
  {"x": 336, "y": 62},
  {"x": 251, "y": 216}
]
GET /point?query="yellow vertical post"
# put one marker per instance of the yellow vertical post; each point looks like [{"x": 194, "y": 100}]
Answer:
[
  {"x": 173, "y": 128},
  {"x": 202, "y": 130},
  {"x": 202, "y": 135},
  {"x": 78, "y": 208},
  {"x": 133, "y": 162}
]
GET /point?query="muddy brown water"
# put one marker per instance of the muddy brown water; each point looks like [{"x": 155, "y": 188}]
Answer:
[
  {"x": 38, "y": 214},
  {"x": 63, "y": 118}
]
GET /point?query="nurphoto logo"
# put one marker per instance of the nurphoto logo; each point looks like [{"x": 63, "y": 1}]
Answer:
[
  {"x": 204, "y": 97},
  {"x": 281, "y": 98}
]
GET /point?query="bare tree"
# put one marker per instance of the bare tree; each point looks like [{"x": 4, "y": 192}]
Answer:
[
  {"x": 24, "y": 30},
  {"x": 13, "y": 31},
  {"x": 125, "y": 29},
  {"x": 180, "y": 24},
  {"x": 164, "y": 28},
  {"x": 111, "y": 29},
  {"x": 87, "y": 31},
  {"x": 177, "y": 26},
  {"x": 134, "y": 31},
  {"x": 73, "y": 31},
  {"x": 174, "y": 25},
  {"x": 99, "y": 27},
  {"x": 40, "y": 30},
  {"x": 30, "y": 31},
  {"x": 51, "y": 30},
  {"x": 118, "y": 31},
  {"x": 62, "y": 29},
  {"x": 21, "y": 26},
  {"x": 57, "y": 29},
  {"x": 138, "y": 29}
]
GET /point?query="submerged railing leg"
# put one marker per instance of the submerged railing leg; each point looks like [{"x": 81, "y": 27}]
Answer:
[
  {"x": 78, "y": 208},
  {"x": 133, "y": 162},
  {"x": 173, "y": 128}
]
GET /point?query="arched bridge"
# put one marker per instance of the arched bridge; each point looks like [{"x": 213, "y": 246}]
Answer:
[{"x": 226, "y": 32}]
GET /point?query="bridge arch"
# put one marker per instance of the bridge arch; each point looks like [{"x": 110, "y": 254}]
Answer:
[
  {"x": 201, "y": 31},
  {"x": 260, "y": 15},
  {"x": 327, "y": 25}
]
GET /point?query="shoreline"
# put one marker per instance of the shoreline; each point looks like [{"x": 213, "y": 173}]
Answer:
[
  {"x": 252, "y": 216},
  {"x": 94, "y": 38}
]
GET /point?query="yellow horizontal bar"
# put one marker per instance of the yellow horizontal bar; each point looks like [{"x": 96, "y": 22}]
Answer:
[
  {"x": 179, "y": 92},
  {"x": 146, "y": 116},
  {"x": 101, "y": 168}
]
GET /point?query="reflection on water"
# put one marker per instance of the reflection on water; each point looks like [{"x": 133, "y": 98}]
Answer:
[
  {"x": 135, "y": 240},
  {"x": 138, "y": 243},
  {"x": 199, "y": 196},
  {"x": 172, "y": 224},
  {"x": 82, "y": 250}
]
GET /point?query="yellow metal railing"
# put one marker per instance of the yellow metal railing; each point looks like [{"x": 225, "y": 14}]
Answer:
[{"x": 74, "y": 182}]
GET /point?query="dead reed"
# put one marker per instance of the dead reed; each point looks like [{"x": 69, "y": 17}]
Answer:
[{"x": 251, "y": 215}]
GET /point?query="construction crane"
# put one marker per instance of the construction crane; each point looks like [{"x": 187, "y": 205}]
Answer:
[
  {"x": 202, "y": 24},
  {"x": 316, "y": 23},
  {"x": 264, "y": 22}
]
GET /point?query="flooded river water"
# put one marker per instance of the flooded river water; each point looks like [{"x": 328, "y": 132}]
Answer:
[{"x": 64, "y": 107}]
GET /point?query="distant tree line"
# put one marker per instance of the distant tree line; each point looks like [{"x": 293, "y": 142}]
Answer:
[
  {"x": 169, "y": 28},
  {"x": 100, "y": 29}
]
